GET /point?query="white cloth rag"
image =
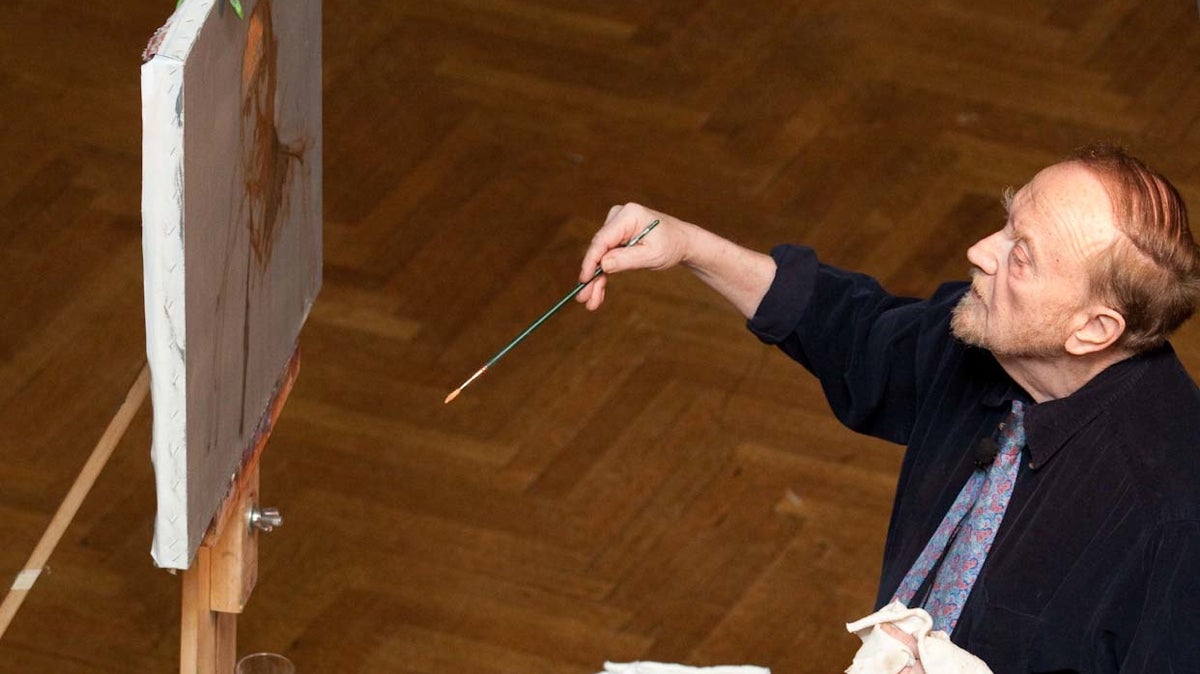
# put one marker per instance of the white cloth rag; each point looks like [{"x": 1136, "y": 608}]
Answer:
[
  {"x": 665, "y": 668},
  {"x": 882, "y": 653}
]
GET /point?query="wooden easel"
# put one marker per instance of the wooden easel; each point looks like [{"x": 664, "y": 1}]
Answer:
[{"x": 217, "y": 585}]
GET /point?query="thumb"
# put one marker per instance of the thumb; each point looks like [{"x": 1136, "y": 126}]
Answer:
[{"x": 625, "y": 259}]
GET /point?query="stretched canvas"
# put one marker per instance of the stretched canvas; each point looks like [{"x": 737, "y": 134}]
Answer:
[{"x": 231, "y": 236}]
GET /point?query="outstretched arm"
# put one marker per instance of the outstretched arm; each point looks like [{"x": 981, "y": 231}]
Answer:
[{"x": 740, "y": 275}]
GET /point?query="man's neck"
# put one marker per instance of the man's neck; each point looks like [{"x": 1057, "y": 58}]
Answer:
[{"x": 1051, "y": 378}]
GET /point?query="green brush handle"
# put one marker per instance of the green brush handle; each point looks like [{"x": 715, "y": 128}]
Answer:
[{"x": 569, "y": 296}]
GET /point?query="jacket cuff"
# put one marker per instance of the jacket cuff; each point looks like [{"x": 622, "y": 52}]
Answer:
[{"x": 783, "y": 307}]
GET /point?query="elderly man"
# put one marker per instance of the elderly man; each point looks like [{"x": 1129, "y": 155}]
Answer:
[{"x": 1047, "y": 512}]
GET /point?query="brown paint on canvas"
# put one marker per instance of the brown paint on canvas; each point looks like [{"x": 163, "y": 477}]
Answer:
[{"x": 266, "y": 159}]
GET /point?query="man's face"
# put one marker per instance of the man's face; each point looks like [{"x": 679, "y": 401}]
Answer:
[{"x": 1029, "y": 280}]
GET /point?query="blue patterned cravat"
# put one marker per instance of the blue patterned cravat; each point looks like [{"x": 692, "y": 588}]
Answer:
[{"x": 985, "y": 497}]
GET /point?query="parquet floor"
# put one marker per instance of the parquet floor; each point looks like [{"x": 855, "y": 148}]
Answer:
[{"x": 645, "y": 482}]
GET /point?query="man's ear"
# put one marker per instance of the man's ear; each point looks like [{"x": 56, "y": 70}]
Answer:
[{"x": 1101, "y": 328}]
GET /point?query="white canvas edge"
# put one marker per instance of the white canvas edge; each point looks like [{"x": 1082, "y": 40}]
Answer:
[
  {"x": 162, "y": 268},
  {"x": 163, "y": 276}
]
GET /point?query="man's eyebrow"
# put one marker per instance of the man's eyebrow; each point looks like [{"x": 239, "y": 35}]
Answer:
[{"x": 1007, "y": 196}]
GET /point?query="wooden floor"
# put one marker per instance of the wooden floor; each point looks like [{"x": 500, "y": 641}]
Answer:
[{"x": 645, "y": 482}]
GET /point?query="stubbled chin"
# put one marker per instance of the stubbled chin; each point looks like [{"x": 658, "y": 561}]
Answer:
[{"x": 966, "y": 321}]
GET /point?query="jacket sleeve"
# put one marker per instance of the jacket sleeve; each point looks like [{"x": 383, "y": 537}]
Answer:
[{"x": 871, "y": 351}]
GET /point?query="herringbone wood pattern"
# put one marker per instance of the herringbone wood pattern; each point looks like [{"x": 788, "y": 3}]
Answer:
[{"x": 645, "y": 482}]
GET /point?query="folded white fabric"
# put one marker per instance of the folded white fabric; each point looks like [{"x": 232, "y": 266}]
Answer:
[
  {"x": 665, "y": 668},
  {"x": 882, "y": 653}
]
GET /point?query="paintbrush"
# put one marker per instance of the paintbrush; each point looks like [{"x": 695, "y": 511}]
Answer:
[{"x": 534, "y": 326}]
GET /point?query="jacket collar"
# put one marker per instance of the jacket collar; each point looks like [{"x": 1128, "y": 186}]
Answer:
[{"x": 1051, "y": 424}]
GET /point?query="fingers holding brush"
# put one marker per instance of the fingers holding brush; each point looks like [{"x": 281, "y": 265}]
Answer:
[{"x": 609, "y": 249}]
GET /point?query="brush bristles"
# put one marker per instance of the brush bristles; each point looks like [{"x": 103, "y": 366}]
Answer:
[{"x": 455, "y": 392}]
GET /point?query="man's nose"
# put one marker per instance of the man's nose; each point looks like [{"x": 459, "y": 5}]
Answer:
[{"x": 985, "y": 254}]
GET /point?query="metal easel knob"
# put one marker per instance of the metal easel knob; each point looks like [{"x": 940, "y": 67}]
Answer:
[{"x": 265, "y": 519}]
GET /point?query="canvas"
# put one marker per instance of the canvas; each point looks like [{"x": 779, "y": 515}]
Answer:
[{"x": 231, "y": 210}]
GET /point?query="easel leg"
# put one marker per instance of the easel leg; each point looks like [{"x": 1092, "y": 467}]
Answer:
[
  {"x": 226, "y": 646},
  {"x": 217, "y": 585},
  {"x": 198, "y": 635}
]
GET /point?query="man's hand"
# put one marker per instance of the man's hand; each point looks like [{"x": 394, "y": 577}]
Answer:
[
  {"x": 665, "y": 247},
  {"x": 910, "y": 643},
  {"x": 740, "y": 275}
]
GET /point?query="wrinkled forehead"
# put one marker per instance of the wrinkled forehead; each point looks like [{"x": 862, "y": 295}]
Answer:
[
  {"x": 1068, "y": 205},
  {"x": 1070, "y": 184}
]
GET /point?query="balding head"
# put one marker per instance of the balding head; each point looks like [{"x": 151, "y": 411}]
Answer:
[{"x": 1152, "y": 273}]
